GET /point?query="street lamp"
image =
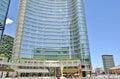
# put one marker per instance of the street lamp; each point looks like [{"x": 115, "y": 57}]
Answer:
[{"x": 1, "y": 28}]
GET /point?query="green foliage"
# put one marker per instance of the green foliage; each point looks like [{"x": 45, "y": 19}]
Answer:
[
  {"x": 49, "y": 59},
  {"x": 3, "y": 55},
  {"x": 6, "y": 45},
  {"x": 7, "y": 67},
  {"x": 33, "y": 58},
  {"x": 70, "y": 59}
]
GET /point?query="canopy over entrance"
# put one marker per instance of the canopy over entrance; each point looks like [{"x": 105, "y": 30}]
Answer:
[{"x": 32, "y": 70}]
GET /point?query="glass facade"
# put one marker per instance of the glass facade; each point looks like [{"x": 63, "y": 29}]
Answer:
[
  {"x": 4, "y": 5},
  {"x": 52, "y": 29},
  {"x": 108, "y": 62}
]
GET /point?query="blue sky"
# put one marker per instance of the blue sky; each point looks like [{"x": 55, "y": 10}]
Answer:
[{"x": 103, "y": 23}]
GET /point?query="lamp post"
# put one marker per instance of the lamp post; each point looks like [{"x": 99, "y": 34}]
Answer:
[
  {"x": 1, "y": 28},
  {"x": 81, "y": 54}
]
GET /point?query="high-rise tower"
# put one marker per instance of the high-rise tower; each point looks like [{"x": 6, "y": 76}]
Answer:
[
  {"x": 52, "y": 29},
  {"x": 4, "y": 6}
]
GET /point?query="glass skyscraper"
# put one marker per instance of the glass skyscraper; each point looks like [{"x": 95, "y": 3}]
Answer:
[
  {"x": 4, "y": 6},
  {"x": 52, "y": 29}
]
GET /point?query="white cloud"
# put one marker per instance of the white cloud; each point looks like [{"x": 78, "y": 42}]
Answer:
[{"x": 9, "y": 21}]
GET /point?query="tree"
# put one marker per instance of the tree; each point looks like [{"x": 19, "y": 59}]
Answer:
[{"x": 6, "y": 46}]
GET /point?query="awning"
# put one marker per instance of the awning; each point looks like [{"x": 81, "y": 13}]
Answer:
[
  {"x": 70, "y": 70},
  {"x": 32, "y": 70}
]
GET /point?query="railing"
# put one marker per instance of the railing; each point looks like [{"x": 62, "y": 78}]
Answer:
[{"x": 45, "y": 63}]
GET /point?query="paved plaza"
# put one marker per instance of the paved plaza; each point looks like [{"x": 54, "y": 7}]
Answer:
[{"x": 98, "y": 77}]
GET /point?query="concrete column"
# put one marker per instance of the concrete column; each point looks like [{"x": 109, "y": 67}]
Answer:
[{"x": 61, "y": 69}]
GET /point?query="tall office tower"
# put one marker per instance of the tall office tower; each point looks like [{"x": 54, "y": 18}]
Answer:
[
  {"x": 108, "y": 62},
  {"x": 52, "y": 29},
  {"x": 4, "y": 6}
]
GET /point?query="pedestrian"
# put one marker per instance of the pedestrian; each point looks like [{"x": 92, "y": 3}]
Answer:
[{"x": 58, "y": 76}]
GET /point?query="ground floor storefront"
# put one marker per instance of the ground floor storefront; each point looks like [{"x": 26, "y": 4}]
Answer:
[
  {"x": 115, "y": 70},
  {"x": 48, "y": 68}
]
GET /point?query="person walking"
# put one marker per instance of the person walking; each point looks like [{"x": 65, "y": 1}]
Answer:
[{"x": 58, "y": 76}]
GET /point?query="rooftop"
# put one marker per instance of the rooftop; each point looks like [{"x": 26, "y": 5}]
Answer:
[{"x": 116, "y": 67}]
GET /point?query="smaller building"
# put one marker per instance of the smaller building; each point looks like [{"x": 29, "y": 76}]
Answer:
[
  {"x": 115, "y": 70},
  {"x": 108, "y": 62}
]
